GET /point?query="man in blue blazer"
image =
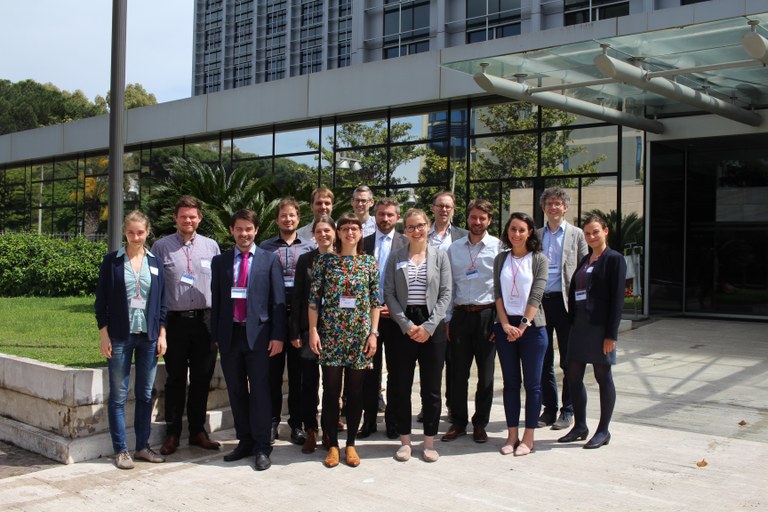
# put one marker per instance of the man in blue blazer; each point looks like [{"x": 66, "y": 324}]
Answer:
[{"x": 248, "y": 333}]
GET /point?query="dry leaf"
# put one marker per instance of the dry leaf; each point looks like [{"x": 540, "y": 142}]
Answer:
[
  {"x": 702, "y": 463},
  {"x": 742, "y": 423}
]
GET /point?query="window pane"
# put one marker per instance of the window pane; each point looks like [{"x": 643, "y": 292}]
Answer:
[
  {"x": 254, "y": 145},
  {"x": 296, "y": 141}
]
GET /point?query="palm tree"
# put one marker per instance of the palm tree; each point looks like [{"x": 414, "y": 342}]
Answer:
[{"x": 222, "y": 195}]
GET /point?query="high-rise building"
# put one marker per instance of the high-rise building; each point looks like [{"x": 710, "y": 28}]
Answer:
[{"x": 245, "y": 42}]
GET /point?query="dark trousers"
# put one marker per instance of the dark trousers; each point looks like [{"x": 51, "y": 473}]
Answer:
[
  {"x": 189, "y": 353},
  {"x": 247, "y": 375},
  {"x": 276, "y": 371},
  {"x": 470, "y": 333},
  {"x": 431, "y": 356},
  {"x": 309, "y": 399},
  {"x": 558, "y": 322},
  {"x": 527, "y": 352},
  {"x": 333, "y": 378},
  {"x": 388, "y": 332}
]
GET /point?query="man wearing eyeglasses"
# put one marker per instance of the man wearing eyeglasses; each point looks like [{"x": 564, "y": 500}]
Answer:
[
  {"x": 564, "y": 246},
  {"x": 362, "y": 201},
  {"x": 381, "y": 243},
  {"x": 443, "y": 233}
]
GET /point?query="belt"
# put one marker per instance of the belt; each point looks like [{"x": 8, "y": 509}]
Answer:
[
  {"x": 473, "y": 308},
  {"x": 552, "y": 295},
  {"x": 238, "y": 324},
  {"x": 190, "y": 313}
]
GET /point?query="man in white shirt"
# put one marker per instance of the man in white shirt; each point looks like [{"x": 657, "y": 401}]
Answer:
[
  {"x": 362, "y": 201},
  {"x": 321, "y": 203}
]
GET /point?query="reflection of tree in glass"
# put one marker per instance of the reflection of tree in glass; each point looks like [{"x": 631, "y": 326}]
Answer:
[
  {"x": 632, "y": 230},
  {"x": 515, "y": 156},
  {"x": 367, "y": 143},
  {"x": 94, "y": 194}
]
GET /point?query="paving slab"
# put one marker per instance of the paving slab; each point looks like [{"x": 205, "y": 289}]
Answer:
[{"x": 690, "y": 432}]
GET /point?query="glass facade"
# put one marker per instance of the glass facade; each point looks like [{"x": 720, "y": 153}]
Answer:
[
  {"x": 492, "y": 19},
  {"x": 585, "y": 11}
]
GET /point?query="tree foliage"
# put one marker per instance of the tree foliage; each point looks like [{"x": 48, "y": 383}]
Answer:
[
  {"x": 135, "y": 96},
  {"x": 632, "y": 229},
  {"x": 516, "y": 156}
]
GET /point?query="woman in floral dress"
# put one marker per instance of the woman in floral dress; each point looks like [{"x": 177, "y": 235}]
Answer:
[{"x": 343, "y": 323}]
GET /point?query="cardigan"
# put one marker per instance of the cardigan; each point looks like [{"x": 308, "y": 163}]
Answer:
[{"x": 539, "y": 265}]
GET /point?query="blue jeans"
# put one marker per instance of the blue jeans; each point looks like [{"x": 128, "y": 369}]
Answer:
[
  {"x": 526, "y": 352},
  {"x": 119, "y": 376}
]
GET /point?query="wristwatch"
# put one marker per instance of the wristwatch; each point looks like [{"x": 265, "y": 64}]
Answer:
[
  {"x": 374, "y": 332},
  {"x": 524, "y": 321}
]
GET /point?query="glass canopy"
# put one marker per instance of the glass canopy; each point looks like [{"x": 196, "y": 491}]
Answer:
[{"x": 709, "y": 58}]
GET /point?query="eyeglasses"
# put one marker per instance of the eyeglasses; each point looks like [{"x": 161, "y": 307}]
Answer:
[
  {"x": 349, "y": 229},
  {"x": 359, "y": 200},
  {"x": 443, "y": 206},
  {"x": 416, "y": 227},
  {"x": 554, "y": 204}
]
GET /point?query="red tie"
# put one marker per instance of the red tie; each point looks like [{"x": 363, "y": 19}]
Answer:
[{"x": 242, "y": 282}]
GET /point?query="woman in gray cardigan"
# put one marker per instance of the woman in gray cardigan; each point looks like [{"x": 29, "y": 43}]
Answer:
[
  {"x": 417, "y": 290},
  {"x": 519, "y": 278}
]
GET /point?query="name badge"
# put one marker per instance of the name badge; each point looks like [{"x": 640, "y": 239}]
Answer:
[
  {"x": 205, "y": 263},
  {"x": 516, "y": 302},
  {"x": 153, "y": 270},
  {"x": 188, "y": 278},
  {"x": 581, "y": 295},
  {"x": 288, "y": 281},
  {"x": 347, "y": 302},
  {"x": 401, "y": 264},
  {"x": 473, "y": 273},
  {"x": 590, "y": 269},
  {"x": 138, "y": 303},
  {"x": 239, "y": 293},
  {"x": 553, "y": 269}
]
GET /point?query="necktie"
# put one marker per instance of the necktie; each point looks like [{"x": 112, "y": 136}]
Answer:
[
  {"x": 384, "y": 247},
  {"x": 242, "y": 282}
]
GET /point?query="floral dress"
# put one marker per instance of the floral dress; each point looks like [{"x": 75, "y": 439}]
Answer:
[{"x": 337, "y": 283}]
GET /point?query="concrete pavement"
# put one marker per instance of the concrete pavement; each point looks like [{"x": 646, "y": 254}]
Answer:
[{"x": 684, "y": 386}]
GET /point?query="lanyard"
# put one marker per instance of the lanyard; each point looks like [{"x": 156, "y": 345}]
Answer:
[
  {"x": 515, "y": 270},
  {"x": 188, "y": 253},
  {"x": 549, "y": 242},
  {"x": 473, "y": 261},
  {"x": 293, "y": 266},
  {"x": 345, "y": 273},
  {"x": 137, "y": 277}
]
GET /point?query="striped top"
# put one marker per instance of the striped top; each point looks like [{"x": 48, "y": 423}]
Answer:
[{"x": 417, "y": 284}]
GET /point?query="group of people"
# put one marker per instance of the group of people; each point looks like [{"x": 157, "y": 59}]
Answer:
[{"x": 339, "y": 300}]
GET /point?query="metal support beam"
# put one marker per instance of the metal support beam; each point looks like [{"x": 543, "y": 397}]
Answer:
[
  {"x": 117, "y": 125},
  {"x": 633, "y": 75},
  {"x": 522, "y": 92}
]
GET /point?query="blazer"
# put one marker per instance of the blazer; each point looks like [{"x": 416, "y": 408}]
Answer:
[
  {"x": 539, "y": 267},
  {"x": 605, "y": 293},
  {"x": 266, "y": 312},
  {"x": 398, "y": 240},
  {"x": 574, "y": 249},
  {"x": 112, "y": 302},
  {"x": 299, "y": 317},
  {"x": 457, "y": 232},
  {"x": 439, "y": 282}
]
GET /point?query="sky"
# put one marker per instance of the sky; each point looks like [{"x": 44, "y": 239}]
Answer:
[{"x": 68, "y": 43}]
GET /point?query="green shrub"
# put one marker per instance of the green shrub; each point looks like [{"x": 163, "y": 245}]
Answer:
[{"x": 40, "y": 265}]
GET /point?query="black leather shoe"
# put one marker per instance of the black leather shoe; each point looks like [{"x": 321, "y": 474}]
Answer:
[
  {"x": 273, "y": 433},
  {"x": 454, "y": 433},
  {"x": 420, "y": 416},
  {"x": 392, "y": 432},
  {"x": 598, "y": 440},
  {"x": 298, "y": 436},
  {"x": 546, "y": 419},
  {"x": 240, "y": 452},
  {"x": 262, "y": 462},
  {"x": 576, "y": 434},
  {"x": 366, "y": 430},
  {"x": 382, "y": 405}
]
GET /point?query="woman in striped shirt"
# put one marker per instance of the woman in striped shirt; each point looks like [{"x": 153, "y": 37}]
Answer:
[{"x": 417, "y": 290}]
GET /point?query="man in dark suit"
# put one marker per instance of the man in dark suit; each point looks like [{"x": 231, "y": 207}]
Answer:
[
  {"x": 380, "y": 244},
  {"x": 248, "y": 321}
]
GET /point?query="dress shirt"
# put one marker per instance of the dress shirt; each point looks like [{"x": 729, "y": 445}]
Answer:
[
  {"x": 381, "y": 253},
  {"x": 552, "y": 247},
  {"x": 236, "y": 270},
  {"x": 288, "y": 255},
  {"x": 438, "y": 242},
  {"x": 369, "y": 227},
  {"x": 465, "y": 256},
  {"x": 179, "y": 258}
]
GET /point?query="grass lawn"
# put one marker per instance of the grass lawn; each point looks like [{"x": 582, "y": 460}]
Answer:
[{"x": 58, "y": 330}]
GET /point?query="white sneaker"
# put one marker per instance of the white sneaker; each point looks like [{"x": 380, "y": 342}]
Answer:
[
  {"x": 148, "y": 455},
  {"x": 123, "y": 460}
]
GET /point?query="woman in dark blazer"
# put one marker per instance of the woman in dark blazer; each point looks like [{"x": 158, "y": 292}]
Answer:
[
  {"x": 324, "y": 231},
  {"x": 130, "y": 313},
  {"x": 417, "y": 290},
  {"x": 595, "y": 302}
]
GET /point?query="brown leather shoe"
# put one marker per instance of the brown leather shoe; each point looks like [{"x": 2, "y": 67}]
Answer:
[
  {"x": 479, "y": 434},
  {"x": 332, "y": 459},
  {"x": 169, "y": 445},
  {"x": 454, "y": 433},
  {"x": 352, "y": 457},
  {"x": 310, "y": 442},
  {"x": 202, "y": 440}
]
